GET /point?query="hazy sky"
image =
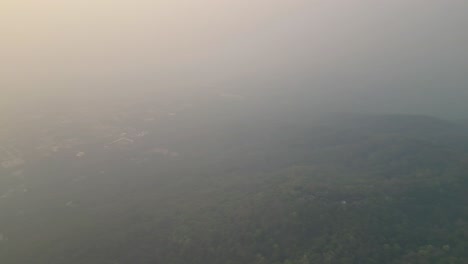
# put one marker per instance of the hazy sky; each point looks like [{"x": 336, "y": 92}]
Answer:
[{"x": 361, "y": 55}]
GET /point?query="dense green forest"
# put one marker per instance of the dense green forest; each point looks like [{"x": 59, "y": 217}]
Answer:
[{"x": 341, "y": 189}]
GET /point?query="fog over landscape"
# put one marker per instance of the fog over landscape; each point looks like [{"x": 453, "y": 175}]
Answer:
[
  {"x": 233, "y": 132},
  {"x": 379, "y": 56}
]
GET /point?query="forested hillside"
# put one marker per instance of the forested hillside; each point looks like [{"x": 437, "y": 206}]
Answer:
[{"x": 340, "y": 189}]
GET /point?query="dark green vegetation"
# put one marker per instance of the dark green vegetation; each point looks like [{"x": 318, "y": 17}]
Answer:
[{"x": 366, "y": 189}]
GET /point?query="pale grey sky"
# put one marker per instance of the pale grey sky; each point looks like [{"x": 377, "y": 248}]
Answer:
[{"x": 355, "y": 55}]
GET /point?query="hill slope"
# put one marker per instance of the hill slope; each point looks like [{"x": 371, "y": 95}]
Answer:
[{"x": 343, "y": 189}]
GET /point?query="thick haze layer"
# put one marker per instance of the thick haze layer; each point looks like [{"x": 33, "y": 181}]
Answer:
[{"x": 357, "y": 55}]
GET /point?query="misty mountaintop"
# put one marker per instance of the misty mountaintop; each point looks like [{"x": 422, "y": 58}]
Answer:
[{"x": 234, "y": 132}]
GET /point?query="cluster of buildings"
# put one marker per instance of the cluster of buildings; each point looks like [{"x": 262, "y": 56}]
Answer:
[{"x": 10, "y": 158}]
